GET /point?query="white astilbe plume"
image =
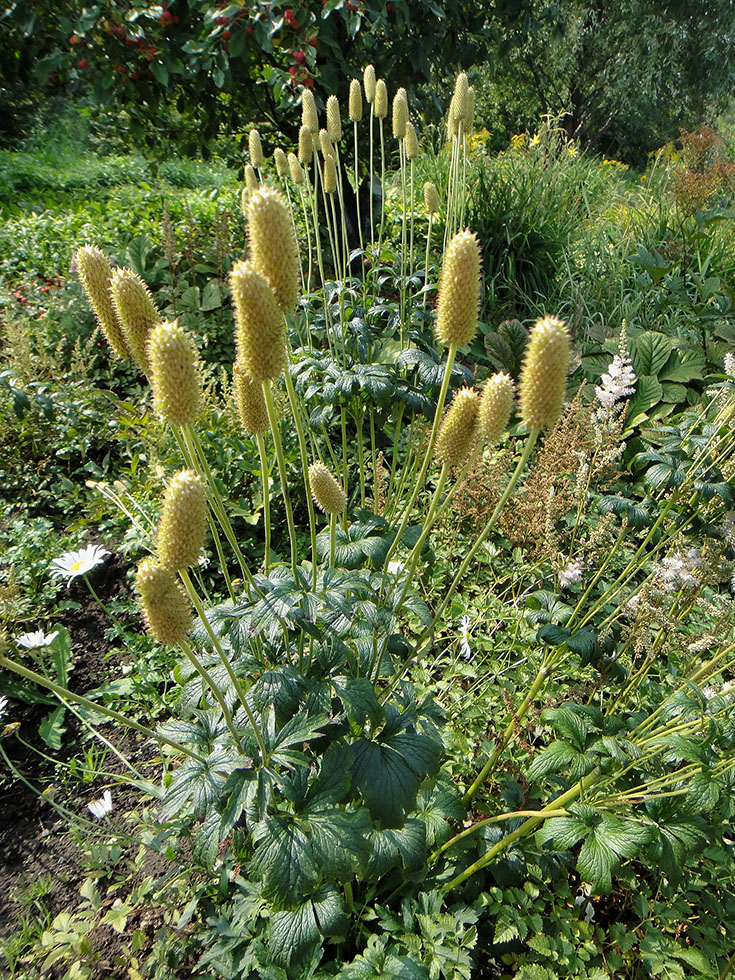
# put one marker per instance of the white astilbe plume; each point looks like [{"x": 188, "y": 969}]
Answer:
[
  {"x": 730, "y": 364},
  {"x": 679, "y": 569},
  {"x": 617, "y": 383},
  {"x": 571, "y": 574}
]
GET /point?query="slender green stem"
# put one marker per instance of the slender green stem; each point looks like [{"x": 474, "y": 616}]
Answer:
[
  {"x": 426, "y": 262},
  {"x": 512, "y": 483},
  {"x": 428, "y": 455},
  {"x": 520, "y": 713},
  {"x": 217, "y": 646},
  {"x": 488, "y": 821},
  {"x": 332, "y": 538},
  {"x": 62, "y": 693},
  {"x": 526, "y": 827},
  {"x": 295, "y": 409},
  {"x": 265, "y": 474},
  {"x": 278, "y": 445},
  {"x": 359, "y": 418},
  {"x": 214, "y": 688}
]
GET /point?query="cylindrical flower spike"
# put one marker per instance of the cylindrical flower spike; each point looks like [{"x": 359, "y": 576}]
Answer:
[
  {"x": 412, "y": 142},
  {"x": 400, "y": 114},
  {"x": 95, "y": 273},
  {"x": 325, "y": 144},
  {"x": 458, "y": 432},
  {"x": 496, "y": 404},
  {"x": 274, "y": 250},
  {"x": 470, "y": 120},
  {"x": 281, "y": 162},
  {"x": 381, "y": 99},
  {"x": 368, "y": 81},
  {"x": 309, "y": 115},
  {"x": 175, "y": 378},
  {"x": 135, "y": 311},
  {"x": 306, "y": 146},
  {"x": 431, "y": 198},
  {"x": 355, "y": 104},
  {"x": 297, "y": 174},
  {"x": 458, "y": 306},
  {"x": 334, "y": 119},
  {"x": 163, "y": 602},
  {"x": 461, "y": 89},
  {"x": 183, "y": 521},
  {"x": 330, "y": 174},
  {"x": 250, "y": 402},
  {"x": 544, "y": 374},
  {"x": 452, "y": 119},
  {"x": 251, "y": 178},
  {"x": 325, "y": 489},
  {"x": 260, "y": 334},
  {"x": 255, "y": 148}
]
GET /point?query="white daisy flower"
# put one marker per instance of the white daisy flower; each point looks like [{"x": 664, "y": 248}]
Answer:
[
  {"x": 34, "y": 641},
  {"x": 75, "y": 563},
  {"x": 100, "y": 808},
  {"x": 395, "y": 567},
  {"x": 464, "y": 634}
]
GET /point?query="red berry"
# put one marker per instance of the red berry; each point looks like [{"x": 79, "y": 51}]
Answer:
[
  {"x": 289, "y": 17},
  {"x": 149, "y": 56},
  {"x": 250, "y": 31},
  {"x": 166, "y": 17},
  {"x": 75, "y": 39},
  {"x": 142, "y": 43},
  {"x": 84, "y": 63},
  {"x": 45, "y": 289},
  {"x": 352, "y": 7},
  {"x": 227, "y": 35},
  {"x": 313, "y": 41},
  {"x": 299, "y": 56},
  {"x": 389, "y": 8}
]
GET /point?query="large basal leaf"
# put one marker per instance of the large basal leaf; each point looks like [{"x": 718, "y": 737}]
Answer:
[
  {"x": 285, "y": 859},
  {"x": 293, "y": 932},
  {"x": 389, "y": 772},
  {"x": 378, "y": 962},
  {"x": 650, "y": 352},
  {"x": 648, "y": 392},
  {"x": 357, "y": 695}
]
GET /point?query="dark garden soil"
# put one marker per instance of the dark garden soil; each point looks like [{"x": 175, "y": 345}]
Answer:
[{"x": 35, "y": 840}]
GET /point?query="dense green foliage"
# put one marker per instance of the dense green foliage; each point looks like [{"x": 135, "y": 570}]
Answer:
[{"x": 432, "y": 762}]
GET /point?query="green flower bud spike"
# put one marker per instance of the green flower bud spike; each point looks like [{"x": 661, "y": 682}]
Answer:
[
  {"x": 250, "y": 402},
  {"x": 175, "y": 378},
  {"x": 458, "y": 306},
  {"x": 260, "y": 336},
  {"x": 95, "y": 274},
  {"x": 544, "y": 374},
  {"x": 183, "y": 521},
  {"x": 274, "y": 250},
  {"x": 163, "y": 602},
  {"x": 325, "y": 489},
  {"x": 136, "y": 312},
  {"x": 458, "y": 432},
  {"x": 496, "y": 404}
]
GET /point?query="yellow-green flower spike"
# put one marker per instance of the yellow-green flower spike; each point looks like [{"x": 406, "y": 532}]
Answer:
[
  {"x": 381, "y": 99},
  {"x": 255, "y": 148},
  {"x": 458, "y": 432},
  {"x": 281, "y": 162},
  {"x": 355, "y": 104},
  {"x": 260, "y": 335},
  {"x": 330, "y": 174},
  {"x": 183, "y": 521},
  {"x": 470, "y": 120},
  {"x": 250, "y": 402},
  {"x": 400, "y": 114},
  {"x": 543, "y": 378},
  {"x": 95, "y": 273},
  {"x": 306, "y": 146},
  {"x": 309, "y": 115},
  {"x": 411, "y": 142},
  {"x": 453, "y": 119},
  {"x": 297, "y": 174},
  {"x": 135, "y": 311},
  {"x": 458, "y": 306},
  {"x": 334, "y": 119},
  {"x": 461, "y": 96},
  {"x": 368, "y": 82},
  {"x": 325, "y": 144},
  {"x": 274, "y": 250},
  {"x": 431, "y": 198},
  {"x": 496, "y": 404},
  {"x": 251, "y": 179},
  {"x": 175, "y": 376},
  {"x": 325, "y": 489},
  {"x": 163, "y": 602}
]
